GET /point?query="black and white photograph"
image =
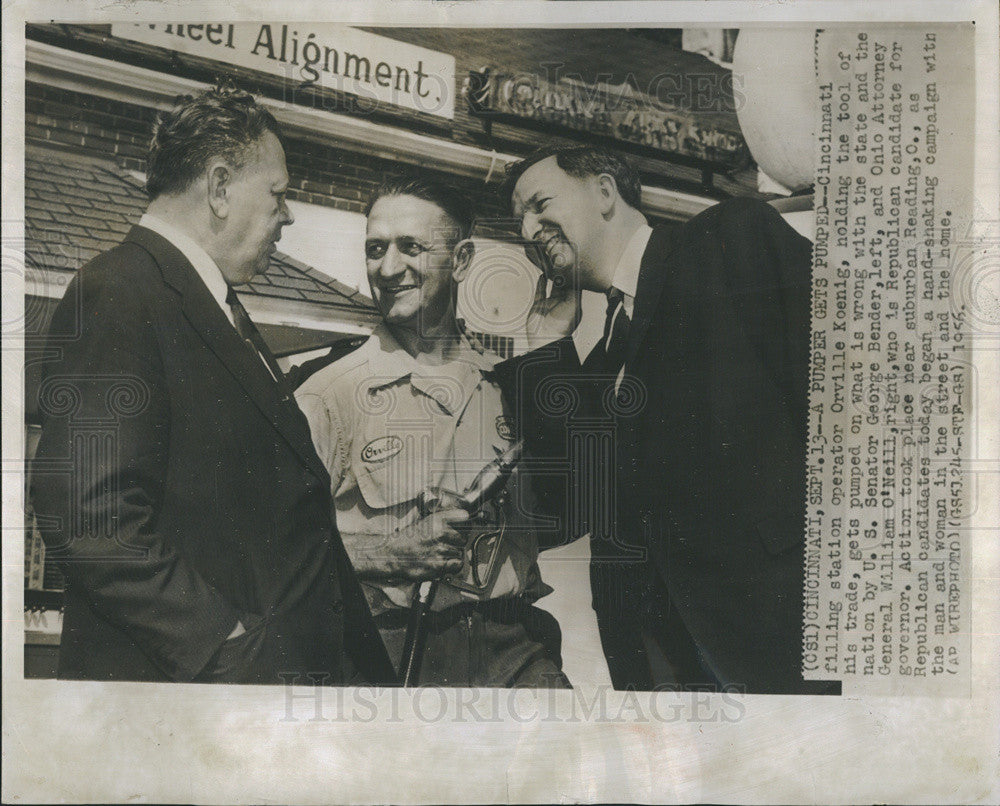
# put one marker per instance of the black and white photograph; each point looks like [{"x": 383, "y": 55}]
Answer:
[{"x": 487, "y": 402}]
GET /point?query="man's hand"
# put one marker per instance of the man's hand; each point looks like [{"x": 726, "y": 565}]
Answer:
[
  {"x": 555, "y": 315},
  {"x": 429, "y": 548}
]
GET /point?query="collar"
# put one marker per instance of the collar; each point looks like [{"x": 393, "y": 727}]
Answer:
[
  {"x": 389, "y": 363},
  {"x": 626, "y": 276},
  {"x": 207, "y": 269}
]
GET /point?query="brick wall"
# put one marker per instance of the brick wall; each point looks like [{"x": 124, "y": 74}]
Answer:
[
  {"x": 95, "y": 125},
  {"x": 319, "y": 174}
]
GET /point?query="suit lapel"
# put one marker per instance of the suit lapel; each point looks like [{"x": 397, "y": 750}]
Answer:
[
  {"x": 211, "y": 324},
  {"x": 652, "y": 274}
]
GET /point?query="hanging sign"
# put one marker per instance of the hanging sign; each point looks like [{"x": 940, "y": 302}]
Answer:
[{"x": 619, "y": 112}]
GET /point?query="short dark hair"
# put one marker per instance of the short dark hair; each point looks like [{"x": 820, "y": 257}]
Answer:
[
  {"x": 456, "y": 205},
  {"x": 580, "y": 162},
  {"x": 220, "y": 122}
]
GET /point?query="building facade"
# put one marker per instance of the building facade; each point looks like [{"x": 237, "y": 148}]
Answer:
[{"x": 356, "y": 105}]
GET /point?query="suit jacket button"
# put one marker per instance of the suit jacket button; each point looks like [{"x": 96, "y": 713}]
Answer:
[{"x": 338, "y": 606}]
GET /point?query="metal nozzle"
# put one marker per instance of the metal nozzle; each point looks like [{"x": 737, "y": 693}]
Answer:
[{"x": 491, "y": 478}]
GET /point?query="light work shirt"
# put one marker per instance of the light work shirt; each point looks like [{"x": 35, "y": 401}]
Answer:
[{"x": 388, "y": 426}]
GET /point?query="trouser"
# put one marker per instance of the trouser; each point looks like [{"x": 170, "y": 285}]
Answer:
[
  {"x": 499, "y": 643},
  {"x": 675, "y": 662},
  {"x": 645, "y": 641}
]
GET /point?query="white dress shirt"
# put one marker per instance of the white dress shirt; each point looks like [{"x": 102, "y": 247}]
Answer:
[
  {"x": 207, "y": 269},
  {"x": 626, "y": 276},
  {"x": 626, "y": 279}
]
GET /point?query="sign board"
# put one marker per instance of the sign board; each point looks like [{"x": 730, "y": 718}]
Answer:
[
  {"x": 375, "y": 68},
  {"x": 616, "y": 111}
]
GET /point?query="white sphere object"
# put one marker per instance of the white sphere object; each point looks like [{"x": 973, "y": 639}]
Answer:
[{"x": 775, "y": 87}]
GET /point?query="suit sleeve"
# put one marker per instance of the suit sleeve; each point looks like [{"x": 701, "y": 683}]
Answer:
[
  {"x": 547, "y": 389},
  {"x": 100, "y": 473},
  {"x": 762, "y": 267},
  {"x": 329, "y": 432},
  {"x": 768, "y": 266}
]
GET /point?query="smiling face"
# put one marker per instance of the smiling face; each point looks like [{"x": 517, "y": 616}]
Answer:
[
  {"x": 256, "y": 211},
  {"x": 409, "y": 257},
  {"x": 562, "y": 215}
]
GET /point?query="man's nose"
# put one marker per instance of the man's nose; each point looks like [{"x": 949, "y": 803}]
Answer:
[
  {"x": 288, "y": 217},
  {"x": 392, "y": 262},
  {"x": 529, "y": 226}
]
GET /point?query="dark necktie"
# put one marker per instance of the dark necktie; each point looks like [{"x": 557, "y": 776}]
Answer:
[
  {"x": 251, "y": 336},
  {"x": 616, "y": 327}
]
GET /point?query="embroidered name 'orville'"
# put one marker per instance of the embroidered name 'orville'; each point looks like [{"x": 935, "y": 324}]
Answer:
[{"x": 380, "y": 449}]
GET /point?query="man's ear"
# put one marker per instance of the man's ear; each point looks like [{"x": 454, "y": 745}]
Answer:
[
  {"x": 462, "y": 259},
  {"x": 607, "y": 189},
  {"x": 220, "y": 176}
]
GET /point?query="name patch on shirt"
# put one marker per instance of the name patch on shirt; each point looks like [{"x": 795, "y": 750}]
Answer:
[
  {"x": 378, "y": 450},
  {"x": 505, "y": 427}
]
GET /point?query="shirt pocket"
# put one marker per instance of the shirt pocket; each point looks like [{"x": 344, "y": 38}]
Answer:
[{"x": 392, "y": 469}]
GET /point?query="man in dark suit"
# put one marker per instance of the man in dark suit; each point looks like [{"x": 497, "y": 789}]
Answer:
[
  {"x": 176, "y": 481},
  {"x": 702, "y": 375}
]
